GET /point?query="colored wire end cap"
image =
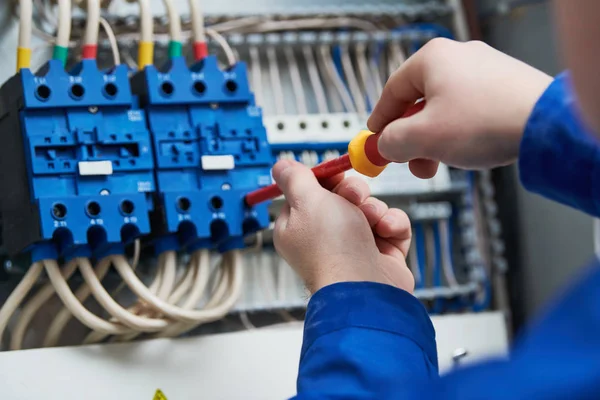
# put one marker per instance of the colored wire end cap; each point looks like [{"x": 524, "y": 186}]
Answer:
[{"x": 364, "y": 156}]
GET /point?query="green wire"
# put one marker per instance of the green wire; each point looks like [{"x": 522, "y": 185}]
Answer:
[
  {"x": 175, "y": 49},
  {"x": 60, "y": 53}
]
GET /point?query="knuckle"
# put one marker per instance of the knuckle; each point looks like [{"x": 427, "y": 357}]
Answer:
[
  {"x": 476, "y": 44},
  {"x": 437, "y": 45}
]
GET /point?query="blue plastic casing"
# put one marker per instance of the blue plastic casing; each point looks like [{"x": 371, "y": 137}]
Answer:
[
  {"x": 82, "y": 144},
  {"x": 211, "y": 149}
]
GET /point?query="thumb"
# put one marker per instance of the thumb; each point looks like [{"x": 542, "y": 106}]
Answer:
[
  {"x": 296, "y": 181},
  {"x": 405, "y": 139}
]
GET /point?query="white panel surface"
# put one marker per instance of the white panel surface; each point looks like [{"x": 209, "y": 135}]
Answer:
[{"x": 259, "y": 364}]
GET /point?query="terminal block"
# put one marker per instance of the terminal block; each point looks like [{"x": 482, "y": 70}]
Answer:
[
  {"x": 76, "y": 161},
  {"x": 211, "y": 149}
]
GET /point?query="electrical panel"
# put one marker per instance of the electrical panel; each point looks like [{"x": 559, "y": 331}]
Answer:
[
  {"x": 77, "y": 162},
  {"x": 211, "y": 150},
  {"x": 98, "y": 160}
]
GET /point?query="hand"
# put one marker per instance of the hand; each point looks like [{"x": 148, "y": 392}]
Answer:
[
  {"x": 339, "y": 236},
  {"x": 478, "y": 102}
]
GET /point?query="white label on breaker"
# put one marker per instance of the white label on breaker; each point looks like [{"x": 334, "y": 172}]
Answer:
[
  {"x": 217, "y": 163},
  {"x": 93, "y": 168}
]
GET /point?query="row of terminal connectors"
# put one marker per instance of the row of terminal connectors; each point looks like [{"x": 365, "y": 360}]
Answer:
[{"x": 85, "y": 168}]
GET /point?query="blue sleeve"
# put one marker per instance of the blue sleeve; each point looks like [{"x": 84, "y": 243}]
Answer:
[
  {"x": 559, "y": 157},
  {"x": 363, "y": 340},
  {"x": 371, "y": 341}
]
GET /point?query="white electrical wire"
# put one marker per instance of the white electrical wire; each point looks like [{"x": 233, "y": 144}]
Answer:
[
  {"x": 74, "y": 305},
  {"x": 174, "y": 21},
  {"x": 396, "y": 57},
  {"x": 461, "y": 26},
  {"x": 169, "y": 275},
  {"x": 413, "y": 261},
  {"x": 30, "y": 309},
  {"x": 357, "y": 95},
  {"x": 597, "y": 237},
  {"x": 25, "y": 24},
  {"x": 315, "y": 80},
  {"x": 314, "y": 23},
  {"x": 92, "y": 24},
  {"x": 334, "y": 77},
  {"x": 198, "y": 289},
  {"x": 63, "y": 34},
  {"x": 222, "y": 42},
  {"x": 18, "y": 294},
  {"x": 376, "y": 73},
  {"x": 63, "y": 317},
  {"x": 114, "y": 47},
  {"x": 446, "y": 253},
  {"x": 256, "y": 72},
  {"x": 165, "y": 289},
  {"x": 365, "y": 76},
  {"x": 276, "y": 88},
  {"x": 174, "y": 312},
  {"x": 228, "y": 273},
  {"x": 137, "y": 308},
  {"x": 296, "y": 80},
  {"x": 236, "y": 24},
  {"x": 197, "y": 21},
  {"x": 146, "y": 21},
  {"x": 125, "y": 317}
]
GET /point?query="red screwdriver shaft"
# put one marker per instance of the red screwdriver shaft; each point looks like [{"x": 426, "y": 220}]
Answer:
[
  {"x": 333, "y": 167},
  {"x": 322, "y": 171}
]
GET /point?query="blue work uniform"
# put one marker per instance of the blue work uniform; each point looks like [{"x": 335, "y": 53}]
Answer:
[{"x": 372, "y": 341}]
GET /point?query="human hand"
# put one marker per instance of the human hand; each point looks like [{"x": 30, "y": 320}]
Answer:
[
  {"x": 341, "y": 235},
  {"x": 478, "y": 102}
]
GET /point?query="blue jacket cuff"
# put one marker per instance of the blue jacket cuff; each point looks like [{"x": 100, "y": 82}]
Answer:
[
  {"x": 558, "y": 157},
  {"x": 369, "y": 305}
]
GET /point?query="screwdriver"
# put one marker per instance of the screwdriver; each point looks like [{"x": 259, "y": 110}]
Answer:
[{"x": 363, "y": 156}]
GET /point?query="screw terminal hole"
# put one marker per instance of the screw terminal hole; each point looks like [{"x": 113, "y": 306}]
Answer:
[
  {"x": 184, "y": 204},
  {"x": 167, "y": 88},
  {"x": 43, "y": 92},
  {"x": 280, "y": 126},
  {"x": 231, "y": 86},
  {"x": 303, "y": 125},
  {"x": 216, "y": 203},
  {"x": 325, "y": 124},
  {"x": 346, "y": 124},
  {"x": 199, "y": 87},
  {"x": 59, "y": 211},
  {"x": 77, "y": 91},
  {"x": 127, "y": 207},
  {"x": 111, "y": 89},
  {"x": 93, "y": 209}
]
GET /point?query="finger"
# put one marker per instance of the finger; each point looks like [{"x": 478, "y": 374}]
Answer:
[
  {"x": 353, "y": 189},
  {"x": 423, "y": 168},
  {"x": 394, "y": 224},
  {"x": 331, "y": 183},
  {"x": 394, "y": 227},
  {"x": 280, "y": 225},
  {"x": 374, "y": 209},
  {"x": 385, "y": 247},
  {"x": 402, "y": 89},
  {"x": 406, "y": 139},
  {"x": 296, "y": 181}
]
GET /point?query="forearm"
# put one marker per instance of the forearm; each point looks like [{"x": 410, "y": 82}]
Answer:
[
  {"x": 559, "y": 157},
  {"x": 365, "y": 340}
]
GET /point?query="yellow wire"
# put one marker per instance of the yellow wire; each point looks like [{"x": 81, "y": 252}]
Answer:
[
  {"x": 146, "y": 54},
  {"x": 23, "y": 58}
]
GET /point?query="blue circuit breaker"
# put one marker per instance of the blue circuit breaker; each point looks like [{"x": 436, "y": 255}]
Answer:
[
  {"x": 211, "y": 149},
  {"x": 76, "y": 161}
]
